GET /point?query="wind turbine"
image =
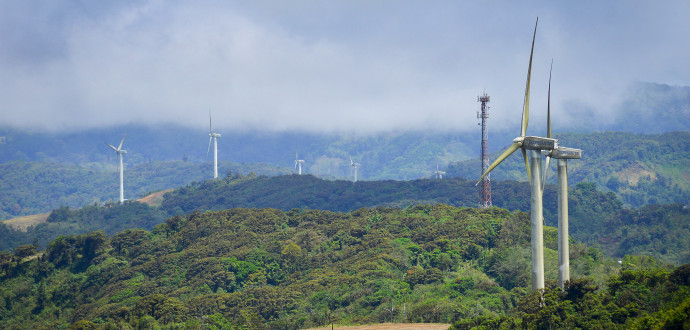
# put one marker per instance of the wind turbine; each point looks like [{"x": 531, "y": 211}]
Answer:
[
  {"x": 298, "y": 164},
  {"x": 535, "y": 145},
  {"x": 562, "y": 154},
  {"x": 119, "y": 151},
  {"x": 439, "y": 174},
  {"x": 356, "y": 166},
  {"x": 214, "y": 137}
]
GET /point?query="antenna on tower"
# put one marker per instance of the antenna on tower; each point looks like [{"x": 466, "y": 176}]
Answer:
[{"x": 485, "y": 186}]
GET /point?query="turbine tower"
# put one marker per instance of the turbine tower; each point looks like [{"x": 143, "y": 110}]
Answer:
[
  {"x": 485, "y": 187},
  {"x": 535, "y": 145},
  {"x": 562, "y": 154},
  {"x": 119, "y": 151},
  {"x": 439, "y": 174},
  {"x": 298, "y": 164},
  {"x": 355, "y": 166},
  {"x": 214, "y": 137}
]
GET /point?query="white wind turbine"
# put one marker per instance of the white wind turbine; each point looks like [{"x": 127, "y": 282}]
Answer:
[
  {"x": 439, "y": 174},
  {"x": 562, "y": 154},
  {"x": 298, "y": 164},
  {"x": 120, "y": 168},
  {"x": 214, "y": 137},
  {"x": 355, "y": 166},
  {"x": 536, "y": 145}
]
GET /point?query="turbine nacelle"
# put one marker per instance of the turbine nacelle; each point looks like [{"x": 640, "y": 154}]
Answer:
[
  {"x": 566, "y": 153},
  {"x": 537, "y": 143},
  {"x": 215, "y": 135}
]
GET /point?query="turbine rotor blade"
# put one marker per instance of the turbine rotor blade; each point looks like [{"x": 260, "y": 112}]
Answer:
[
  {"x": 546, "y": 171},
  {"x": 121, "y": 142},
  {"x": 525, "y": 105},
  {"x": 209, "y": 145},
  {"x": 210, "y": 125},
  {"x": 548, "y": 109},
  {"x": 529, "y": 172},
  {"x": 504, "y": 155},
  {"x": 111, "y": 146}
]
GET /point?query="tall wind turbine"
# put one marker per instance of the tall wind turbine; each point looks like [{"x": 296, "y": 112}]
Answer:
[
  {"x": 214, "y": 137},
  {"x": 535, "y": 145},
  {"x": 298, "y": 164},
  {"x": 562, "y": 154},
  {"x": 120, "y": 168},
  {"x": 439, "y": 174},
  {"x": 356, "y": 166}
]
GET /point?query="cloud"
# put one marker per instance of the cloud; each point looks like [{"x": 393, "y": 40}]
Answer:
[{"x": 327, "y": 66}]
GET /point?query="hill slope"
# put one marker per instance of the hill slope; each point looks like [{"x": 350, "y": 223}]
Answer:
[
  {"x": 272, "y": 269},
  {"x": 640, "y": 169}
]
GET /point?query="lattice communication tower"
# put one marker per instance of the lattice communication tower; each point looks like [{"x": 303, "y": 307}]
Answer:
[{"x": 485, "y": 185}]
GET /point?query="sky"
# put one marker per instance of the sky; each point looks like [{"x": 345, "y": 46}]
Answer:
[{"x": 330, "y": 66}]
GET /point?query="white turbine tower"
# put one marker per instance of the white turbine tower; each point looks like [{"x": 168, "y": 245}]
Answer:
[
  {"x": 355, "y": 166},
  {"x": 214, "y": 137},
  {"x": 439, "y": 174},
  {"x": 119, "y": 151},
  {"x": 298, "y": 164}
]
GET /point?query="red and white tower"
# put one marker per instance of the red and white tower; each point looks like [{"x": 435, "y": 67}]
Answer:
[{"x": 485, "y": 185}]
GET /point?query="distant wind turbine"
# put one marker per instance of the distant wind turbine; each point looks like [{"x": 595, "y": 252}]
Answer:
[
  {"x": 439, "y": 174},
  {"x": 298, "y": 164},
  {"x": 355, "y": 166},
  {"x": 119, "y": 151},
  {"x": 214, "y": 137}
]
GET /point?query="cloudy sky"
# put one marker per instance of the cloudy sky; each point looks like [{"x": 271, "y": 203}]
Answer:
[{"x": 325, "y": 66}]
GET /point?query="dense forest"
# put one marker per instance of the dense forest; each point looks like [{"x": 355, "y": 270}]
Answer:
[
  {"x": 640, "y": 169},
  {"x": 596, "y": 218},
  {"x": 266, "y": 268}
]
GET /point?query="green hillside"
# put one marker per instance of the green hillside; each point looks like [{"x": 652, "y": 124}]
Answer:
[
  {"x": 640, "y": 169},
  {"x": 269, "y": 269},
  {"x": 37, "y": 187},
  {"x": 596, "y": 217}
]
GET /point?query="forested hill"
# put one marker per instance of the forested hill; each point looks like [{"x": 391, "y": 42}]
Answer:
[
  {"x": 595, "y": 217},
  {"x": 640, "y": 169},
  {"x": 269, "y": 269},
  {"x": 37, "y": 187}
]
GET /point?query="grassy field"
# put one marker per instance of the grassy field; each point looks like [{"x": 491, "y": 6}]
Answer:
[{"x": 23, "y": 223}]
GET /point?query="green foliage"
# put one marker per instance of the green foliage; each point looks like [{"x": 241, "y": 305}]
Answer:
[
  {"x": 265, "y": 268},
  {"x": 38, "y": 187},
  {"x": 640, "y": 169}
]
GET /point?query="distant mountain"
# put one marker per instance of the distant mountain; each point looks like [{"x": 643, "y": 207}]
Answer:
[
  {"x": 392, "y": 155},
  {"x": 653, "y": 108}
]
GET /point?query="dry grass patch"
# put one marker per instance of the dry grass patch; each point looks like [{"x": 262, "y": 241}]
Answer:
[{"x": 23, "y": 223}]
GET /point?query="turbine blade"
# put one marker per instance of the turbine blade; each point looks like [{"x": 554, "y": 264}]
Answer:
[
  {"x": 121, "y": 142},
  {"x": 111, "y": 146},
  {"x": 209, "y": 145},
  {"x": 504, "y": 155},
  {"x": 546, "y": 171},
  {"x": 210, "y": 125},
  {"x": 525, "y": 105},
  {"x": 548, "y": 110},
  {"x": 529, "y": 172}
]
